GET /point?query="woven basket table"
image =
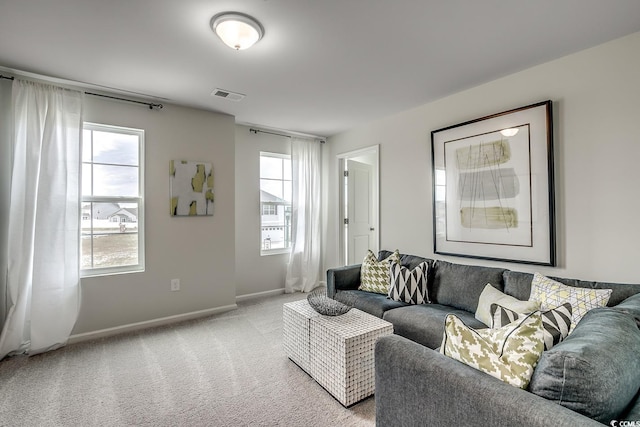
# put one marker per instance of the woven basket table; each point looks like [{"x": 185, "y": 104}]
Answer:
[
  {"x": 295, "y": 331},
  {"x": 337, "y": 351}
]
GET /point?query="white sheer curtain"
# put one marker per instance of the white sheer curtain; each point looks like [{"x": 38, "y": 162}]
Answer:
[
  {"x": 303, "y": 269},
  {"x": 43, "y": 248}
]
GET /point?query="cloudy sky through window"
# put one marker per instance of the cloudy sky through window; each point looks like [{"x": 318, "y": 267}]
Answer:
[{"x": 115, "y": 164}]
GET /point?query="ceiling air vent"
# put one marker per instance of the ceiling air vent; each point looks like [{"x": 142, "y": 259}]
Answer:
[{"x": 227, "y": 94}]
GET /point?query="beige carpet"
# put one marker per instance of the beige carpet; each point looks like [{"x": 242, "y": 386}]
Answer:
[{"x": 225, "y": 370}]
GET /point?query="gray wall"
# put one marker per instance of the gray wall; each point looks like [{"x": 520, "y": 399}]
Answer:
[
  {"x": 255, "y": 274},
  {"x": 199, "y": 251},
  {"x": 595, "y": 96}
]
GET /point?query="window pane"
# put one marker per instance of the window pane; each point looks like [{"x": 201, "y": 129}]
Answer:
[
  {"x": 115, "y": 181},
  {"x": 287, "y": 191},
  {"x": 287, "y": 169},
  {"x": 275, "y": 183},
  {"x": 274, "y": 188},
  {"x": 110, "y": 250},
  {"x": 110, "y": 233},
  {"x": 86, "y": 179},
  {"x": 115, "y": 148},
  {"x": 270, "y": 167},
  {"x": 86, "y": 145}
]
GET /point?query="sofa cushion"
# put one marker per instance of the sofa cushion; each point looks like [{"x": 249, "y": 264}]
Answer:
[
  {"x": 409, "y": 285},
  {"x": 409, "y": 261},
  {"x": 509, "y": 353},
  {"x": 596, "y": 370},
  {"x": 631, "y": 306},
  {"x": 490, "y": 295},
  {"x": 633, "y": 414},
  {"x": 555, "y": 322},
  {"x": 460, "y": 286},
  {"x": 424, "y": 323},
  {"x": 370, "y": 302},
  {"x": 552, "y": 294},
  {"x": 518, "y": 284},
  {"x": 374, "y": 274}
]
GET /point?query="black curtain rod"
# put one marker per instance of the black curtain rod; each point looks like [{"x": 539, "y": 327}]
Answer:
[
  {"x": 270, "y": 133},
  {"x": 255, "y": 131},
  {"x": 150, "y": 104}
]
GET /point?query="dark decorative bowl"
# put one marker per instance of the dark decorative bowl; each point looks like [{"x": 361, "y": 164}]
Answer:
[{"x": 321, "y": 303}]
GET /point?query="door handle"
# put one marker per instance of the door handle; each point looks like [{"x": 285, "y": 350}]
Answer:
[{"x": 371, "y": 229}]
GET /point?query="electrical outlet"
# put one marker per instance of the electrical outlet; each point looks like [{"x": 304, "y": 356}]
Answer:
[{"x": 175, "y": 285}]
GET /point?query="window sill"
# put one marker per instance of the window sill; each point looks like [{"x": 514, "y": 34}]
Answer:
[
  {"x": 87, "y": 274},
  {"x": 275, "y": 252}
]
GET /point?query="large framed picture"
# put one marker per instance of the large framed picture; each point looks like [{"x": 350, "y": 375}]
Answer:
[
  {"x": 493, "y": 194},
  {"x": 191, "y": 185}
]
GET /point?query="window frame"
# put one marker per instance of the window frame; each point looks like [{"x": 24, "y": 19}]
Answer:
[
  {"x": 276, "y": 251},
  {"x": 139, "y": 200}
]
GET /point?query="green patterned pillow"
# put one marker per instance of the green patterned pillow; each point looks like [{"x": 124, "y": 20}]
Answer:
[
  {"x": 552, "y": 294},
  {"x": 375, "y": 275},
  {"x": 509, "y": 353}
]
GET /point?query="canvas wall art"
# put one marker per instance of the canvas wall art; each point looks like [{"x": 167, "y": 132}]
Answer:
[
  {"x": 191, "y": 188},
  {"x": 493, "y": 192}
]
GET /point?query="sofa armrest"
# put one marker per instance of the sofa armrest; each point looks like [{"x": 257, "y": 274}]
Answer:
[
  {"x": 343, "y": 278},
  {"x": 417, "y": 386}
]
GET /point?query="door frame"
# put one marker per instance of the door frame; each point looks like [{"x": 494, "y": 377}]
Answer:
[{"x": 369, "y": 155}]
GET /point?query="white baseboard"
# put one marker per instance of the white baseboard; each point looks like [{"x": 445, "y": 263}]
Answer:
[
  {"x": 149, "y": 324},
  {"x": 270, "y": 293}
]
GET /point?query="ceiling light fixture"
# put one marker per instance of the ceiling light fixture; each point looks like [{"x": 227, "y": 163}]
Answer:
[
  {"x": 237, "y": 30},
  {"x": 509, "y": 132}
]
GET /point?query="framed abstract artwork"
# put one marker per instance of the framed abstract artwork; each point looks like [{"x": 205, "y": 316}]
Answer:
[
  {"x": 493, "y": 191},
  {"x": 191, "y": 188}
]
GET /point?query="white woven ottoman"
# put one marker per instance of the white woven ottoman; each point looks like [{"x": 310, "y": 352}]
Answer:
[
  {"x": 295, "y": 331},
  {"x": 342, "y": 353}
]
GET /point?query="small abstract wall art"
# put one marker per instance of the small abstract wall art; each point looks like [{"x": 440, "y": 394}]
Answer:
[
  {"x": 493, "y": 193},
  {"x": 191, "y": 188}
]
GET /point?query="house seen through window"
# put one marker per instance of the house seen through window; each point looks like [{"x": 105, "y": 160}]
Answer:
[
  {"x": 112, "y": 219},
  {"x": 275, "y": 202}
]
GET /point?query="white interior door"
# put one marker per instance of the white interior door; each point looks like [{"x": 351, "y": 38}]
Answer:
[{"x": 360, "y": 214}]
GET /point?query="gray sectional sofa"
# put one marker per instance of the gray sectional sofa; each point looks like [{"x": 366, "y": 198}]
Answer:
[{"x": 591, "y": 377}]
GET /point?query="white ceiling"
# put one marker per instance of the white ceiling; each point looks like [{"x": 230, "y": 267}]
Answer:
[{"x": 323, "y": 66}]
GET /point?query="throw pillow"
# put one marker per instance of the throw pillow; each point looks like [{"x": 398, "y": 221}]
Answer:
[
  {"x": 555, "y": 322},
  {"x": 491, "y": 295},
  {"x": 552, "y": 294},
  {"x": 409, "y": 286},
  {"x": 596, "y": 370},
  {"x": 509, "y": 353},
  {"x": 374, "y": 274}
]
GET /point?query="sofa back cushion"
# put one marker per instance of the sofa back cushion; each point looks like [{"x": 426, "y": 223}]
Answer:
[
  {"x": 409, "y": 261},
  {"x": 633, "y": 414},
  {"x": 596, "y": 370},
  {"x": 631, "y": 306},
  {"x": 518, "y": 284},
  {"x": 460, "y": 286}
]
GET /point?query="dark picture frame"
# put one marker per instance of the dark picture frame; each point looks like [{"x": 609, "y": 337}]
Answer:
[{"x": 493, "y": 187}]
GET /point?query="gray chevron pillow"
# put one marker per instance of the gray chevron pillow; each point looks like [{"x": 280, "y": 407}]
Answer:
[
  {"x": 555, "y": 322},
  {"x": 409, "y": 286}
]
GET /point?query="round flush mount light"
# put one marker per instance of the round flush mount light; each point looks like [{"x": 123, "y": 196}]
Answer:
[
  {"x": 237, "y": 30},
  {"x": 509, "y": 132}
]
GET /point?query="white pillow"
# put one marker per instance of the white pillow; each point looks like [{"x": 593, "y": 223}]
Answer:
[{"x": 491, "y": 295}]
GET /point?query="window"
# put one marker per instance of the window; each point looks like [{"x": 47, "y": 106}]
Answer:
[
  {"x": 275, "y": 203},
  {"x": 112, "y": 225},
  {"x": 269, "y": 209}
]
